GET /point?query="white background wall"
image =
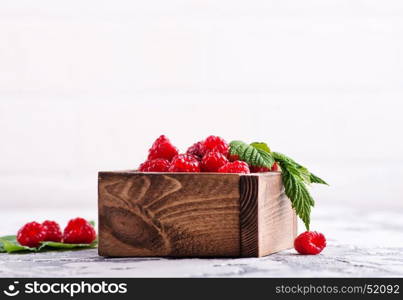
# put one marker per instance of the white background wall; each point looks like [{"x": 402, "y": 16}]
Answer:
[{"x": 88, "y": 85}]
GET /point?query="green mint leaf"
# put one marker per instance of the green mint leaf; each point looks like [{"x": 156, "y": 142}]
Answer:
[
  {"x": 295, "y": 180},
  {"x": 316, "y": 179},
  {"x": 295, "y": 176},
  {"x": 57, "y": 245},
  {"x": 293, "y": 167},
  {"x": 11, "y": 247},
  {"x": 307, "y": 176},
  {"x": 9, "y": 238},
  {"x": 297, "y": 192},
  {"x": 262, "y": 146},
  {"x": 251, "y": 155},
  {"x": 288, "y": 160}
]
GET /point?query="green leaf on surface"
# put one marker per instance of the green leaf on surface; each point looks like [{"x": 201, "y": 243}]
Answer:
[
  {"x": 10, "y": 238},
  {"x": 252, "y": 155},
  {"x": 9, "y": 244},
  {"x": 57, "y": 245}
]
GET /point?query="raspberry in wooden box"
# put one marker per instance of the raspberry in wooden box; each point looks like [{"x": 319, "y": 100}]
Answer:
[{"x": 193, "y": 214}]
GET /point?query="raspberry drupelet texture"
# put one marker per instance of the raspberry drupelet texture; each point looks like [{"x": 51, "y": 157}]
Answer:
[
  {"x": 52, "y": 231},
  {"x": 31, "y": 234},
  {"x": 212, "y": 161},
  {"x": 162, "y": 148},
  {"x": 310, "y": 242},
  {"x": 196, "y": 150},
  {"x": 254, "y": 169},
  {"x": 233, "y": 157},
  {"x": 235, "y": 167},
  {"x": 79, "y": 231},
  {"x": 184, "y": 163},
  {"x": 155, "y": 165},
  {"x": 215, "y": 143}
]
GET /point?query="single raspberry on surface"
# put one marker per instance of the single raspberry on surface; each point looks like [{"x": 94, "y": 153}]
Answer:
[
  {"x": 255, "y": 169},
  {"x": 212, "y": 161},
  {"x": 215, "y": 143},
  {"x": 235, "y": 167},
  {"x": 162, "y": 148},
  {"x": 310, "y": 242},
  {"x": 196, "y": 150},
  {"x": 31, "y": 234},
  {"x": 184, "y": 163},
  {"x": 79, "y": 231},
  {"x": 155, "y": 165},
  {"x": 52, "y": 231}
]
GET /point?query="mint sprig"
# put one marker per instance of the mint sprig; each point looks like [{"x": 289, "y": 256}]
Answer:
[
  {"x": 253, "y": 155},
  {"x": 295, "y": 180},
  {"x": 296, "y": 177}
]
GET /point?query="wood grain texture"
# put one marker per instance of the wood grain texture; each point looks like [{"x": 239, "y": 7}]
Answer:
[
  {"x": 178, "y": 214},
  {"x": 248, "y": 200},
  {"x": 277, "y": 220},
  {"x": 193, "y": 214},
  {"x": 268, "y": 223}
]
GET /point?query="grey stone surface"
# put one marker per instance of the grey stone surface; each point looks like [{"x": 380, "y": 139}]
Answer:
[{"x": 360, "y": 244}]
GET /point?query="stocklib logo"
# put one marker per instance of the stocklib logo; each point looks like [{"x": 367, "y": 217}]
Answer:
[{"x": 12, "y": 290}]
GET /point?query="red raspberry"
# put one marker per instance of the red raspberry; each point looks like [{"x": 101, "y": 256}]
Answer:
[
  {"x": 155, "y": 165},
  {"x": 31, "y": 234},
  {"x": 212, "y": 161},
  {"x": 235, "y": 167},
  {"x": 196, "y": 150},
  {"x": 184, "y": 163},
  {"x": 310, "y": 242},
  {"x": 275, "y": 167},
  {"x": 233, "y": 157},
  {"x": 79, "y": 231},
  {"x": 215, "y": 143},
  {"x": 52, "y": 231},
  {"x": 162, "y": 148},
  {"x": 255, "y": 169}
]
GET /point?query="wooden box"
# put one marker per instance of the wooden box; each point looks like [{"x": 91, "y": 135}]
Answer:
[{"x": 193, "y": 214}]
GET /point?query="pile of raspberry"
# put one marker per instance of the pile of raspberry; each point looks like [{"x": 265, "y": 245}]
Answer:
[
  {"x": 209, "y": 155},
  {"x": 77, "y": 231}
]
